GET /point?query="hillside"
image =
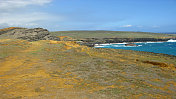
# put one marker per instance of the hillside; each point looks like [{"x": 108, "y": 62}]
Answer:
[
  {"x": 111, "y": 34},
  {"x": 90, "y": 38},
  {"x": 48, "y": 69}
]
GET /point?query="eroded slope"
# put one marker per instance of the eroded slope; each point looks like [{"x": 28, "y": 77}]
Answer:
[{"x": 66, "y": 70}]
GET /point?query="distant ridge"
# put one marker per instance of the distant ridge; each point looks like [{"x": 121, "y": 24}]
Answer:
[
  {"x": 103, "y": 31},
  {"x": 168, "y": 32}
]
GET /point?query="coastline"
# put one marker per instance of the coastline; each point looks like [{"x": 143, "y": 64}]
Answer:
[
  {"x": 131, "y": 43},
  {"x": 167, "y": 47},
  {"x": 32, "y": 67},
  {"x": 91, "y": 42},
  {"x": 126, "y": 43}
]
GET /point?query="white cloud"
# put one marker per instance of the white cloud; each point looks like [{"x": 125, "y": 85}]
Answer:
[
  {"x": 13, "y": 4},
  {"x": 22, "y": 13},
  {"x": 20, "y": 19},
  {"x": 27, "y": 19},
  {"x": 126, "y": 26}
]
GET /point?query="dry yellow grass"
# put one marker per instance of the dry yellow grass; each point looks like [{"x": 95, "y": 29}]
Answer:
[{"x": 66, "y": 70}]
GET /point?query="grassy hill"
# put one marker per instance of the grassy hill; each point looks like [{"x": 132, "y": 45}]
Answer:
[
  {"x": 65, "y": 70},
  {"x": 47, "y": 69},
  {"x": 111, "y": 34}
]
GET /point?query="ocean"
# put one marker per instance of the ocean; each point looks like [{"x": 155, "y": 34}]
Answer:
[{"x": 156, "y": 47}]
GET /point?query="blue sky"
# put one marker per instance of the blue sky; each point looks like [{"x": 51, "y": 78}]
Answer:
[{"x": 120, "y": 15}]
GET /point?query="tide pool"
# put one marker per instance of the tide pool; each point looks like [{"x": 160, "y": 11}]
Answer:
[{"x": 156, "y": 47}]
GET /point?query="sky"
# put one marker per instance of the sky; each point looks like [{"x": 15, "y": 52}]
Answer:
[{"x": 115, "y": 15}]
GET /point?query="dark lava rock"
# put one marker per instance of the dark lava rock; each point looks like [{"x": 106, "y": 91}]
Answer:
[
  {"x": 92, "y": 41},
  {"x": 130, "y": 44},
  {"x": 33, "y": 34}
]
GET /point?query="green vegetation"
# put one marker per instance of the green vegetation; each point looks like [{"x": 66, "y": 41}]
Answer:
[
  {"x": 111, "y": 34},
  {"x": 47, "y": 69},
  {"x": 52, "y": 69}
]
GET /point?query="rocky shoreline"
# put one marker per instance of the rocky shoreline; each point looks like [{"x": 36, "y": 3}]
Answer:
[{"x": 92, "y": 41}]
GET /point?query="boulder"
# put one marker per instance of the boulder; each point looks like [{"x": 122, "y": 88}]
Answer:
[
  {"x": 130, "y": 44},
  {"x": 33, "y": 34}
]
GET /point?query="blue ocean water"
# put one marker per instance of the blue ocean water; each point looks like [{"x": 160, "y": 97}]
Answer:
[{"x": 156, "y": 47}]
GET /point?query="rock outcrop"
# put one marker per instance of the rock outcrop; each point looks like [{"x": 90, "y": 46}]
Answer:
[
  {"x": 33, "y": 34},
  {"x": 130, "y": 44},
  {"x": 92, "y": 41}
]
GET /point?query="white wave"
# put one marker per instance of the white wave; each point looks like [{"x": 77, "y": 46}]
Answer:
[
  {"x": 125, "y": 46},
  {"x": 109, "y": 44},
  {"x": 99, "y": 46},
  {"x": 114, "y": 45},
  {"x": 171, "y": 40},
  {"x": 147, "y": 42},
  {"x": 105, "y": 44},
  {"x": 153, "y": 42},
  {"x": 119, "y": 43}
]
